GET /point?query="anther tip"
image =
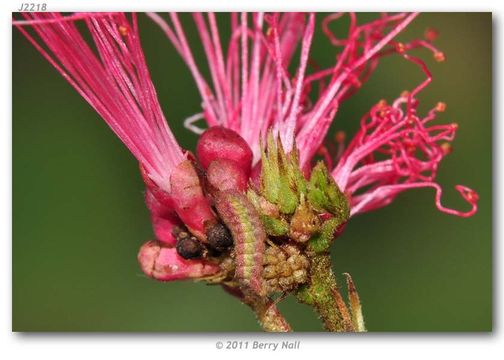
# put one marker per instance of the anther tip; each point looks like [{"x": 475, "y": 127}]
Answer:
[
  {"x": 440, "y": 106},
  {"x": 400, "y": 47},
  {"x": 446, "y": 148},
  {"x": 431, "y": 34},
  {"x": 439, "y": 56},
  {"x": 469, "y": 194},
  {"x": 340, "y": 136},
  {"x": 382, "y": 104},
  {"x": 123, "y": 30},
  {"x": 472, "y": 196}
]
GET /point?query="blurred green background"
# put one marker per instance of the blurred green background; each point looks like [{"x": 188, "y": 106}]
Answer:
[{"x": 79, "y": 217}]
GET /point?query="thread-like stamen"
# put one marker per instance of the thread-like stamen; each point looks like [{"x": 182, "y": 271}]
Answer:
[
  {"x": 413, "y": 149},
  {"x": 117, "y": 83}
]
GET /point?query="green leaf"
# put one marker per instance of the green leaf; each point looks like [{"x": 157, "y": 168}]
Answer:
[{"x": 273, "y": 226}]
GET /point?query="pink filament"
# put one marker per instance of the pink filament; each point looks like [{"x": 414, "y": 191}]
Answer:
[
  {"x": 352, "y": 63},
  {"x": 251, "y": 89},
  {"x": 116, "y": 83},
  {"x": 248, "y": 84},
  {"x": 395, "y": 150}
]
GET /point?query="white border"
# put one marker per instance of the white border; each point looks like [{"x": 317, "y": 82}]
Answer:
[{"x": 316, "y": 346}]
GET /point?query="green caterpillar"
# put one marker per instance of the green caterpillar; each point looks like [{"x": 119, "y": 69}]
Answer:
[{"x": 249, "y": 238}]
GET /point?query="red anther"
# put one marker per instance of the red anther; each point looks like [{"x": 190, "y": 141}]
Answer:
[
  {"x": 446, "y": 148},
  {"x": 123, "y": 30},
  {"x": 439, "y": 56},
  {"x": 381, "y": 104},
  {"x": 400, "y": 47},
  {"x": 405, "y": 93},
  {"x": 340, "y": 136},
  {"x": 323, "y": 151},
  {"x": 471, "y": 195},
  {"x": 431, "y": 34},
  {"x": 454, "y": 126},
  {"x": 383, "y": 113},
  {"x": 440, "y": 106},
  {"x": 468, "y": 194}
]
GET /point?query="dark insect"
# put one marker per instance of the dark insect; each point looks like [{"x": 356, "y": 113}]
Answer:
[
  {"x": 188, "y": 246},
  {"x": 219, "y": 237}
]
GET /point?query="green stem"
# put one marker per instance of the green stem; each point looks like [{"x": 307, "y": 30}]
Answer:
[{"x": 320, "y": 293}]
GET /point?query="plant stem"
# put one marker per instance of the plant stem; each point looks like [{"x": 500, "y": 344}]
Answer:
[
  {"x": 320, "y": 293},
  {"x": 268, "y": 316}
]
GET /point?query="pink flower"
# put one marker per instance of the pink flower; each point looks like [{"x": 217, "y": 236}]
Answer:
[
  {"x": 116, "y": 83},
  {"x": 164, "y": 263},
  {"x": 250, "y": 91},
  {"x": 118, "y": 86},
  {"x": 395, "y": 150},
  {"x": 251, "y": 94}
]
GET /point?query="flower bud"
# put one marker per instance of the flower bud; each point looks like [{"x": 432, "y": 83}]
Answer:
[
  {"x": 189, "y": 201},
  {"x": 163, "y": 229},
  {"x": 222, "y": 143},
  {"x": 163, "y": 218},
  {"x": 224, "y": 174},
  {"x": 304, "y": 223},
  {"x": 285, "y": 268},
  {"x": 164, "y": 263},
  {"x": 156, "y": 198}
]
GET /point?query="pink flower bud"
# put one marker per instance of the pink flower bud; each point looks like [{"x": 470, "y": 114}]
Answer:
[
  {"x": 163, "y": 218},
  {"x": 163, "y": 263},
  {"x": 163, "y": 229},
  {"x": 156, "y": 199},
  {"x": 224, "y": 174},
  {"x": 155, "y": 206},
  {"x": 222, "y": 143},
  {"x": 189, "y": 201}
]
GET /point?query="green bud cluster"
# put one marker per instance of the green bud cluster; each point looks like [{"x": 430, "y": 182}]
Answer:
[{"x": 305, "y": 211}]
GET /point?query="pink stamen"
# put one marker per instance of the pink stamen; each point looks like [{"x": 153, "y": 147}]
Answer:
[
  {"x": 413, "y": 149},
  {"x": 315, "y": 129},
  {"x": 250, "y": 92},
  {"x": 117, "y": 83}
]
